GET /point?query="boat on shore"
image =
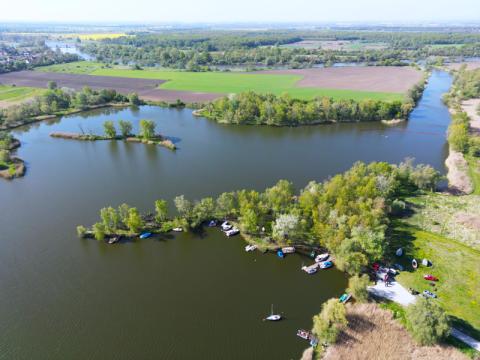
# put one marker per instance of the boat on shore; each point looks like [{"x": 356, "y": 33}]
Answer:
[
  {"x": 288, "y": 250},
  {"x": 177, "y": 229},
  {"x": 250, "y": 247},
  {"x": 322, "y": 257},
  {"x": 212, "y": 223},
  {"x": 344, "y": 298},
  {"x": 414, "y": 264}
]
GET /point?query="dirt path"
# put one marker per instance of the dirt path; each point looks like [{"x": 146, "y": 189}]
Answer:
[{"x": 470, "y": 107}]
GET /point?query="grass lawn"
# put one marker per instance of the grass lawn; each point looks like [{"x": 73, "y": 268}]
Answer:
[
  {"x": 474, "y": 172},
  {"x": 17, "y": 93},
  {"x": 456, "y": 265},
  {"x": 223, "y": 82}
]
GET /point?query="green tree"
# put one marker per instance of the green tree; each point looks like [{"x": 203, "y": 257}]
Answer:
[
  {"x": 98, "y": 231},
  {"x": 147, "y": 129},
  {"x": 134, "y": 99},
  {"x": 357, "y": 287},
  {"x": 109, "y": 129},
  {"x": 134, "y": 221},
  {"x": 225, "y": 205},
  {"x": 125, "y": 128},
  {"x": 161, "y": 211},
  {"x": 5, "y": 156},
  {"x": 184, "y": 207},
  {"x": 51, "y": 85},
  {"x": 327, "y": 324},
  {"x": 287, "y": 227},
  {"x": 427, "y": 321}
]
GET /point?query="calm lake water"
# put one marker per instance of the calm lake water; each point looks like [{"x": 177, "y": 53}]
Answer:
[{"x": 172, "y": 297}]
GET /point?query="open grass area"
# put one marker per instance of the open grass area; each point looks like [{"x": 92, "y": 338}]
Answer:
[
  {"x": 17, "y": 93},
  {"x": 474, "y": 172},
  {"x": 455, "y": 264},
  {"x": 222, "y": 82},
  {"x": 94, "y": 36}
]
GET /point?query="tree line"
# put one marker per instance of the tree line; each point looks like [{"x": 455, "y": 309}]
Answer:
[
  {"x": 56, "y": 100},
  {"x": 268, "y": 109}
]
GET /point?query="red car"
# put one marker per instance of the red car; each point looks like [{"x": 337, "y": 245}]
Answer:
[{"x": 430, "y": 277}]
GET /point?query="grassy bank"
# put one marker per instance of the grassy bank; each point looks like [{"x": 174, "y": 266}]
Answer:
[{"x": 455, "y": 264}]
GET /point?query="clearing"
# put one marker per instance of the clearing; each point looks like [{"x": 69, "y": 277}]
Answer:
[
  {"x": 373, "y": 333},
  {"x": 10, "y": 95},
  {"x": 358, "y": 83}
]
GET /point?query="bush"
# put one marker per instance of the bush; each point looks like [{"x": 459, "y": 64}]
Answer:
[
  {"x": 327, "y": 324},
  {"x": 81, "y": 230},
  {"x": 427, "y": 321},
  {"x": 357, "y": 286}
]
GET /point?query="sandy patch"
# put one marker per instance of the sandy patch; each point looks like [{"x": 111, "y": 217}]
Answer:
[
  {"x": 367, "y": 78},
  {"x": 458, "y": 180},
  {"x": 470, "y": 107},
  {"x": 471, "y": 65},
  {"x": 372, "y": 333},
  {"x": 471, "y": 221}
]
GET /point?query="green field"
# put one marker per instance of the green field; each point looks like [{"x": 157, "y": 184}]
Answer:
[
  {"x": 456, "y": 265},
  {"x": 223, "y": 82},
  {"x": 16, "y": 93}
]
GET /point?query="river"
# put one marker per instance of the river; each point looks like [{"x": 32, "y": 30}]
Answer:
[{"x": 176, "y": 296}]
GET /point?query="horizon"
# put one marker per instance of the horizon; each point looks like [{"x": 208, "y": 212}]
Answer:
[{"x": 268, "y": 11}]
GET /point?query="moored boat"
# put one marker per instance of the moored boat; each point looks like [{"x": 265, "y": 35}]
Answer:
[
  {"x": 312, "y": 269},
  {"x": 177, "y": 229},
  {"x": 145, "y": 235},
  {"x": 288, "y": 250},
  {"x": 250, "y": 247},
  {"x": 304, "y": 334},
  {"x": 212, "y": 223},
  {"x": 280, "y": 254},
  {"x": 232, "y": 232},
  {"x": 226, "y": 226},
  {"x": 322, "y": 257},
  {"x": 344, "y": 298},
  {"x": 325, "y": 264},
  {"x": 113, "y": 240},
  {"x": 272, "y": 316}
]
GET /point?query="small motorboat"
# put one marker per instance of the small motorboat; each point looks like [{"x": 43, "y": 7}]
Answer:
[
  {"x": 312, "y": 269},
  {"x": 113, "y": 240},
  {"x": 177, "y": 229},
  {"x": 304, "y": 334},
  {"x": 250, "y": 247},
  {"x": 232, "y": 232},
  {"x": 288, "y": 250},
  {"x": 280, "y": 254},
  {"x": 325, "y": 264},
  {"x": 322, "y": 257},
  {"x": 226, "y": 226},
  {"x": 272, "y": 316},
  {"x": 212, "y": 223},
  {"x": 344, "y": 298},
  {"x": 429, "y": 294},
  {"x": 145, "y": 235},
  {"x": 414, "y": 264},
  {"x": 430, "y": 277}
]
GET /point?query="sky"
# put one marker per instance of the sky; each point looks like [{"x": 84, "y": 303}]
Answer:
[{"x": 159, "y": 11}]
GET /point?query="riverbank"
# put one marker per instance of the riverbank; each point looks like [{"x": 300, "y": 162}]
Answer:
[
  {"x": 10, "y": 165},
  {"x": 154, "y": 140}
]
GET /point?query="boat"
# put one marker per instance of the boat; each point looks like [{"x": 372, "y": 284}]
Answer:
[
  {"x": 288, "y": 250},
  {"x": 428, "y": 294},
  {"x": 145, "y": 235},
  {"x": 226, "y": 226},
  {"x": 304, "y": 334},
  {"x": 414, "y": 264},
  {"x": 272, "y": 316},
  {"x": 212, "y": 223},
  {"x": 313, "y": 341},
  {"x": 344, "y": 298},
  {"x": 177, "y": 229},
  {"x": 280, "y": 254},
  {"x": 250, "y": 247},
  {"x": 430, "y": 277},
  {"x": 325, "y": 264},
  {"x": 399, "y": 252},
  {"x": 232, "y": 232},
  {"x": 312, "y": 269},
  {"x": 113, "y": 240},
  {"x": 322, "y": 257}
]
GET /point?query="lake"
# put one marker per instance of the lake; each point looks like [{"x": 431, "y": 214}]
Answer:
[{"x": 174, "y": 296}]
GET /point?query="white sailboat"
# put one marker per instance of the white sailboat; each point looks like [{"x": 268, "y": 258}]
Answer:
[{"x": 272, "y": 316}]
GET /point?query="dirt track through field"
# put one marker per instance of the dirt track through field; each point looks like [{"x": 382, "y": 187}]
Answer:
[
  {"x": 145, "y": 88},
  {"x": 363, "y": 78}
]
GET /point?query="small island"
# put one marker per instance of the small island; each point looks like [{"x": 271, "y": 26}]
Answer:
[
  {"x": 10, "y": 166},
  {"x": 147, "y": 134}
]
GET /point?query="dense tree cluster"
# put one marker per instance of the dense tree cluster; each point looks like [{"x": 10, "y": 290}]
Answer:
[
  {"x": 200, "y": 50},
  {"x": 268, "y": 109},
  {"x": 427, "y": 321},
  {"x": 57, "y": 100},
  {"x": 347, "y": 214}
]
